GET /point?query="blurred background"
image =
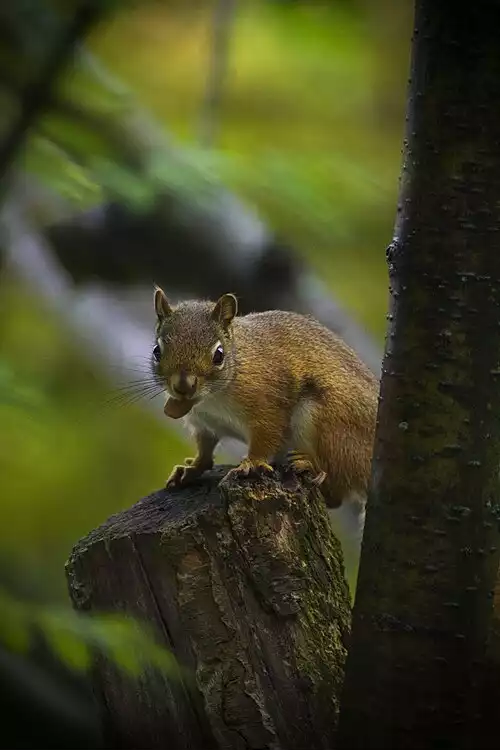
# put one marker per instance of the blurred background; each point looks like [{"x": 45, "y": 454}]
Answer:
[{"x": 249, "y": 146}]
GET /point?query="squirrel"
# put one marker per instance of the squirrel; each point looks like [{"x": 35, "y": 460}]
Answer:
[{"x": 282, "y": 383}]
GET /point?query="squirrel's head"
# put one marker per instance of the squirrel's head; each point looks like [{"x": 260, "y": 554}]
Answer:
[{"x": 193, "y": 354}]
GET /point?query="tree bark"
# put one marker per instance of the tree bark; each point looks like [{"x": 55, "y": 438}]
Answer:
[
  {"x": 430, "y": 551},
  {"x": 245, "y": 585}
]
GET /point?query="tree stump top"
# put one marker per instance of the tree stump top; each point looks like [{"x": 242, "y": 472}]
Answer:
[{"x": 244, "y": 583}]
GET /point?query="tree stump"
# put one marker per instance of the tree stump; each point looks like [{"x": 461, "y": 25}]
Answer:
[{"x": 244, "y": 583}]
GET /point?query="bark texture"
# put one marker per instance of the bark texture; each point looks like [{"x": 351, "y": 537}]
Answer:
[
  {"x": 245, "y": 585},
  {"x": 415, "y": 671}
]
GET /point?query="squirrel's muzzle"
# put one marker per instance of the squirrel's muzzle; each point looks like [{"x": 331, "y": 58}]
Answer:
[{"x": 183, "y": 384}]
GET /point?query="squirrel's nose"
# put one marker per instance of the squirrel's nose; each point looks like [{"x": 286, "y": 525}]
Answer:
[{"x": 184, "y": 384}]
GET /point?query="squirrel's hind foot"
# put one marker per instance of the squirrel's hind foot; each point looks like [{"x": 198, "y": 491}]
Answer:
[
  {"x": 300, "y": 463},
  {"x": 247, "y": 468}
]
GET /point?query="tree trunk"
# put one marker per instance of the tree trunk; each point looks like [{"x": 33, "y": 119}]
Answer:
[
  {"x": 430, "y": 552},
  {"x": 246, "y": 587}
]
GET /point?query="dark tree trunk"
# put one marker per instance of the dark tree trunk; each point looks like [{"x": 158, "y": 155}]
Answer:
[
  {"x": 246, "y": 587},
  {"x": 430, "y": 554}
]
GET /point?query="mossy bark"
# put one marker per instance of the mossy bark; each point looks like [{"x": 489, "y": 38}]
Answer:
[
  {"x": 245, "y": 584},
  {"x": 415, "y": 671}
]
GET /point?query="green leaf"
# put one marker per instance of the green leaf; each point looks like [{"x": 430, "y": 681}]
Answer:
[
  {"x": 16, "y": 390},
  {"x": 76, "y": 638},
  {"x": 70, "y": 648},
  {"x": 48, "y": 161},
  {"x": 15, "y": 632}
]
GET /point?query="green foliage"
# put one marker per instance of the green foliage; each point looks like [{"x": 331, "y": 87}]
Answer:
[
  {"x": 301, "y": 137},
  {"x": 69, "y": 456},
  {"x": 310, "y": 133},
  {"x": 76, "y": 639},
  {"x": 52, "y": 462}
]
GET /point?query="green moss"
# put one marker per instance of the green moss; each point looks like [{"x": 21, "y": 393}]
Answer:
[{"x": 325, "y": 605}]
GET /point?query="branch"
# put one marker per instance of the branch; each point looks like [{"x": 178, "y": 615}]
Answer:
[
  {"x": 201, "y": 254},
  {"x": 37, "y": 94},
  {"x": 223, "y": 17}
]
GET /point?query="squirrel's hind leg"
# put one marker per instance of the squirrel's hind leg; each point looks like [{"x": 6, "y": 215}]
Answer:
[
  {"x": 301, "y": 463},
  {"x": 300, "y": 454}
]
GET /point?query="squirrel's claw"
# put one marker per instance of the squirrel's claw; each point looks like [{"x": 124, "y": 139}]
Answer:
[
  {"x": 248, "y": 467},
  {"x": 299, "y": 463},
  {"x": 183, "y": 474}
]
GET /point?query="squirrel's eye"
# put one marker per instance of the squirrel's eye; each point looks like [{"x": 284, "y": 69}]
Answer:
[
  {"x": 157, "y": 353},
  {"x": 218, "y": 357}
]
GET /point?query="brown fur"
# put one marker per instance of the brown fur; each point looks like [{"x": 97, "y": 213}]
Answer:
[{"x": 290, "y": 384}]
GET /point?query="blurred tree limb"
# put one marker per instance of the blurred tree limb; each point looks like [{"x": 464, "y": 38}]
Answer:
[
  {"x": 181, "y": 227},
  {"x": 156, "y": 212},
  {"x": 223, "y": 15},
  {"x": 35, "y": 97},
  {"x": 155, "y": 215}
]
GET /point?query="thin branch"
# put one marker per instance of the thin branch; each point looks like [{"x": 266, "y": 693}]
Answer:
[
  {"x": 36, "y": 95},
  {"x": 223, "y": 18}
]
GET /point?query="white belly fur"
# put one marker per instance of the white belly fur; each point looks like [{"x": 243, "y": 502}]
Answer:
[
  {"x": 219, "y": 416},
  {"x": 301, "y": 428}
]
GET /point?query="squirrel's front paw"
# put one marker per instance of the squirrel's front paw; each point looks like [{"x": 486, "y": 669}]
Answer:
[
  {"x": 247, "y": 467},
  {"x": 183, "y": 474}
]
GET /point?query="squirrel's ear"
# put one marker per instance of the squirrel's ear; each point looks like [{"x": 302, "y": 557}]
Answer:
[
  {"x": 225, "y": 309},
  {"x": 162, "y": 308}
]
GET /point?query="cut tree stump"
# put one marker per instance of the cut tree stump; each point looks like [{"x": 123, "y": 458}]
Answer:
[{"x": 244, "y": 583}]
